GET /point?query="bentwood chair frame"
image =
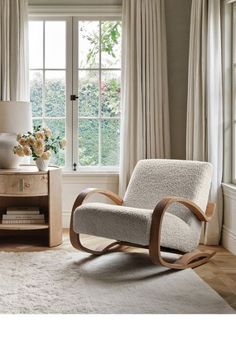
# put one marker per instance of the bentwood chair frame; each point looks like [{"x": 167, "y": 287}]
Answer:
[{"x": 187, "y": 260}]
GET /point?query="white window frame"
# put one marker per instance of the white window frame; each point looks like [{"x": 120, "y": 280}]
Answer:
[
  {"x": 76, "y": 119},
  {"x": 73, "y": 14},
  {"x": 68, "y": 71}
]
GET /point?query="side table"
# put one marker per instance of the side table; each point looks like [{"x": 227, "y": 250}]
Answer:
[{"x": 26, "y": 187}]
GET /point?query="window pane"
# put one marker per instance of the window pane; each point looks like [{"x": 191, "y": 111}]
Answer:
[
  {"x": 58, "y": 129},
  {"x": 36, "y": 93},
  {"x": 55, "y": 44},
  {"x": 37, "y": 122},
  {"x": 36, "y": 44},
  {"x": 88, "y": 93},
  {"x": 88, "y": 44},
  {"x": 110, "y": 93},
  {"x": 55, "y": 93},
  {"x": 111, "y": 44},
  {"x": 88, "y": 142},
  {"x": 110, "y": 136}
]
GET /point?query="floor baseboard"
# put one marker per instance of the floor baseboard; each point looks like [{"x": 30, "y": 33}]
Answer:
[{"x": 229, "y": 240}]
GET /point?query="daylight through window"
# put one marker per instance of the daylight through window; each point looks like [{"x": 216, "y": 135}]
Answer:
[{"x": 89, "y": 68}]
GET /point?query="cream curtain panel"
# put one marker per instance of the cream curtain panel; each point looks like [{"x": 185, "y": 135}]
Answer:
[
  {"x": 145, "y": 107},
  {"x": 204, "y": 140},
  {"x": 14, "y": 50},
  {"x": 228, "y": 58}
]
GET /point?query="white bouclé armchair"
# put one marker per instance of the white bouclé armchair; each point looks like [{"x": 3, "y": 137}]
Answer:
[{"x": 163, "y": 209}]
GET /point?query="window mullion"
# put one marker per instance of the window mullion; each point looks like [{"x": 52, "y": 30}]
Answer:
[
  {"x": 69, "y": 88},
  {"x": 75, "y": 90}
]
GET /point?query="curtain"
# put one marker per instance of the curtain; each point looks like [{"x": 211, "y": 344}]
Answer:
[
  {"x": 228, "y": 58},
  {"x": 14, "y": 83},
  {"x": 204, "y": 136},
  {"x": 196, "y": 103},
  {"x": 145, "y": 108}
]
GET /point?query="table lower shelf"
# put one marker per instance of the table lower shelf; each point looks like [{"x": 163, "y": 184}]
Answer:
[{"x": 23, "y": 226}]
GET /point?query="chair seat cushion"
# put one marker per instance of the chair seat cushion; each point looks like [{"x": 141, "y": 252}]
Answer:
[{"x": 132, "y": 225}]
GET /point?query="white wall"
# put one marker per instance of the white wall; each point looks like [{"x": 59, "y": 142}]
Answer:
[
  {"x": 229, "y": 223},
  {"x": 177, "y": 31}
]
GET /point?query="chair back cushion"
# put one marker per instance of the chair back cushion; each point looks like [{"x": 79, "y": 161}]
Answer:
[{"x": 153, "y": 179}]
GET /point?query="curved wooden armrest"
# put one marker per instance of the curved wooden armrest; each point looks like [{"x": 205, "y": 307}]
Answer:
[
  {"x": 88, "y": 192},
  {"x": 157, "y": 218}
]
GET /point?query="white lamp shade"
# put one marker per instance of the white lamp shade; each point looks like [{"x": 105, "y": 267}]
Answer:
[{"x": 15, "y": 117}]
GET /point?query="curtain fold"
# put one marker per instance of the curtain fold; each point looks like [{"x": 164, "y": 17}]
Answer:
[
  {"x": 14, "y": 82},
  {"x": 204, "y": 135},
  {"x": 228, "y": 58},
  {"x": 196, "y": 146},
  {"x": 145, "y": 107}
]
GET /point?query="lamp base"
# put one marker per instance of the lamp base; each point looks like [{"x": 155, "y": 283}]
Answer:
[{"x": 8, "y": 160}]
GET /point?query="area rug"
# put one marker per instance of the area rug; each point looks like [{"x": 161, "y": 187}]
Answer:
[{"x": 64, "y": 281}]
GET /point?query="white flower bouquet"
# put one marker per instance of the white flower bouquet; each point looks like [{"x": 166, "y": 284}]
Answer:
[{"x": 38, "y": 144}]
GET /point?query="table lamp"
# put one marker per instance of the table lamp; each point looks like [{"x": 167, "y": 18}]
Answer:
[{"x": 15, "y": 118}]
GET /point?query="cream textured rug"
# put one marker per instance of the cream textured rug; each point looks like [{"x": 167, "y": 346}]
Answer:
[{"x": 65, "y": 281}]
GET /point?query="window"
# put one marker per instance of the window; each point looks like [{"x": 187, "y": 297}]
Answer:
[
  {"x": 99, "y": 92},
  {"x": 47, "y": 62},
  {"x": 75, "y": 87}
]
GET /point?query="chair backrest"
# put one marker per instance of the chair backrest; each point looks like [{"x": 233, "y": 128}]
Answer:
[{"x": 153, "y": 179}]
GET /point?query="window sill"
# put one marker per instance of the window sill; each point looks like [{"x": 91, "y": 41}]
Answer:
[
  {"x": 90, "y": 173},
  {"x": 229, "y": 190},
  {"x": 229, "y": 186},
  {"x": 90, "y": 177}
]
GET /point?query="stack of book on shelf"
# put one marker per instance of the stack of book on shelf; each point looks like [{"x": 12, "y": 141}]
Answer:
[{"x": 23, "y": 215}]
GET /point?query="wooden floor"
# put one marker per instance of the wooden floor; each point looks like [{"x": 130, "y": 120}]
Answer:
[{"x": 219, "y": 273}]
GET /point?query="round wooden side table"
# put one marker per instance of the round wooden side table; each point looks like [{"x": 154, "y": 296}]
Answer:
[{"x": 27, "y": 187}]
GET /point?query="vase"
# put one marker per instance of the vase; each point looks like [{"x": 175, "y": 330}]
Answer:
[{"x": 42, "y": 164}]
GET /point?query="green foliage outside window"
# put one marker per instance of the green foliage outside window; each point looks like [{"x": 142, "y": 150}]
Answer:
[
  {"x": 110, "y": 36},
  {"x": 55, "y": 98},
  {"x": 36, "y": 95},
  {"x": 88, "y": 106}
]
